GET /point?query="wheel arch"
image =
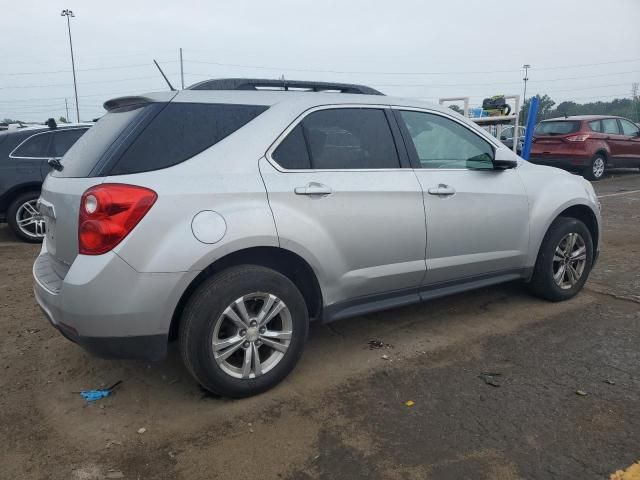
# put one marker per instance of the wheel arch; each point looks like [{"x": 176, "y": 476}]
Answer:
[
  {"x": 602, "y": 151},
  {"x": 284, "y": 261},
  {"x": 10, "y": 195},
  {"x": 586, "y": 215},
  {"x": 580, "y": 211}
]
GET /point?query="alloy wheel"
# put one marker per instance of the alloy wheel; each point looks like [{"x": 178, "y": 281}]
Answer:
[
  {"x": 29, "y": 220},
  {"x": 569, "y": 260},
  {"x": 252, "y": 335},
  {"x": 598, "y": 167}
]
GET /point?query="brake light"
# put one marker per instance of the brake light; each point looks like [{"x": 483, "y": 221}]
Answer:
[
  {"x": 577, "y": 138},
  {"x": 108, "y": 212}
]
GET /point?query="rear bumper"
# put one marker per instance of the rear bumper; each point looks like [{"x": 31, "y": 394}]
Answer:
[
  {"x": 568, "y": 163},
  {"x": 108, "y": 308},
  {"x": 143, "y": 347}
]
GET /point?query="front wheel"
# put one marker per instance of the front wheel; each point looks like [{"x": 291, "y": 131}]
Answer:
[
  {"x": 564, "y": 260},
  {"x": 596, "y": 169},
  {"x": 243, "y": 331},
  {"x": 25, "y": 219}
]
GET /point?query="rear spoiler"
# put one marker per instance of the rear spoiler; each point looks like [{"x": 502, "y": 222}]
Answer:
[{"x": 135, "y": 100}]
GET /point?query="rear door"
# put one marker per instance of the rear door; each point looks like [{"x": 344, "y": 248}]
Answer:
[
  {"x": 342, "y": 199},
  {"x": 30, "y": 155},
  {"x": 631, "y": 133},
  {"x": 615, "y": 140},
  {"x": 477, "y": 217}
]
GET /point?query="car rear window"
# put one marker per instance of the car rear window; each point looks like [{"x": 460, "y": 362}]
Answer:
[
  {"x": 180, "y": 131},
  {"x": 558, "y": 127},
  {"x": 81, "y": 159},
  {"x": 151, "y": 136}
]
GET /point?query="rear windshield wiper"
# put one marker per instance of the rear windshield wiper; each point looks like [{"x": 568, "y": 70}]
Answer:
[{"x": 55, "y": 164}]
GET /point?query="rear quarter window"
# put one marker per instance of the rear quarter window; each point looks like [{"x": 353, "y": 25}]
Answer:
[
  {"x": 180, "y": 131},
  {"x": 595, "y": 126}
]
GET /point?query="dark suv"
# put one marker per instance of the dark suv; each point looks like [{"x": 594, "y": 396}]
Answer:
[
  {"x": 587, "y": 143},
  {"x": 24, "y": 154}
]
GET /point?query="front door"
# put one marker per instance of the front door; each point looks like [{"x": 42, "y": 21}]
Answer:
[
  {"x": 477, "y": 217},
  {"x": 615, "y": 140},
  {"x": 341, "y": 199},
  {"x": 631, "y": 133}
]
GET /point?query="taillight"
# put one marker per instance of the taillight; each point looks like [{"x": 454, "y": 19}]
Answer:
[
  {"x": 108, "y": 212},
  {"x": 577, "y": 138}
]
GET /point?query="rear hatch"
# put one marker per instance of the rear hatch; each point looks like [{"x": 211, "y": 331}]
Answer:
[
  {"x": 83, "y": 166},
  {"x": 137, "y": 135},
  {"x": 555, "y": 132}
]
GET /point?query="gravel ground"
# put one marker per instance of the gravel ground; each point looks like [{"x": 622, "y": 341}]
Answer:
[{"x": 343, "y": 412}]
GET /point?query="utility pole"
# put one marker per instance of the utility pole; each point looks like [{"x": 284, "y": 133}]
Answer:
[
  {"x": 181, "y": 70},
  {"x": 635, "y": 99},
  {"x": 68, "y": 13},
  {"x": 66, "y": 107},
  {"x": 526, "y": 67}
]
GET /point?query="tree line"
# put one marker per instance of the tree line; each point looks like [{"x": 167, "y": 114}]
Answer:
[{"x": 547, "y": 108}]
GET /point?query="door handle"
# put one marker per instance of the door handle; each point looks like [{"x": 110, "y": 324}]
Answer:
[
  {"x": 313, "y": 188},
  {"x": 442, "y": 190}
]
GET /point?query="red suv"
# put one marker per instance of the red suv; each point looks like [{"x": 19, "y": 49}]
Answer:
[{"x": 587, "y": 143}]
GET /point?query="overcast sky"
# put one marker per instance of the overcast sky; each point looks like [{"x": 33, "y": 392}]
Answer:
[{"x": 580, "y": 50}]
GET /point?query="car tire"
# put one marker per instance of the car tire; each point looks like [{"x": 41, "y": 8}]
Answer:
[
  {"x": 596, "y": 169},
  {"x": 558, "y": 263},
  {"x": 22, "y": 208},
  {"x": 214, "y": 315}
]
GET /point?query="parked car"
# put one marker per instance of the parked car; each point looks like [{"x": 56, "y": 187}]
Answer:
[
  {"x": 229, "y": 216},
  {"x": 506, "y": 137},
  {"x": 24, "y": 154},
  {"x": 588, "y": 144}
]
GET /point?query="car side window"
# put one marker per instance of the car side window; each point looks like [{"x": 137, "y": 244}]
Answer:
[
  {"x": 64, "y": 139},
  {"x": 292, "y": 152},
  {"x": 443, "y": 143},
  {"x": 610, "y": 125},
  {"x": 595, "y": 126},
  {"x": 628, "y": 128},
  {"x": 36, "y": 146},
  {"x": 350, "y": 138}
]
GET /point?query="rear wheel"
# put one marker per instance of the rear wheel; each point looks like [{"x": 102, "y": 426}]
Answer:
[
  {"x": 25, "y": 219},
  {"x": 243, "y": 331},
  {"x": 564, "y": 260},
  {"x": 596, "y": 169}
]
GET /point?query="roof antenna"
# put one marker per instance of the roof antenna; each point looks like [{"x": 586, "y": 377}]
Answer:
[{"x": 165, "y": 77}]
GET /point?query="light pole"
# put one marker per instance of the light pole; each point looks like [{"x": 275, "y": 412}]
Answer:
[
  {"x": 526, "y": 67},
  {"x": 68, "y": 13}
]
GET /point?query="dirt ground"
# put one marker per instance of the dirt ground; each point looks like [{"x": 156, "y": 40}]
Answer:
[{"x": 342, "y": 413}]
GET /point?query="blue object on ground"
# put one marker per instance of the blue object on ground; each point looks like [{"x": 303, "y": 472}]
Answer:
[
  {"x": 93, "y": 395},
  {"x": 531, "y": 125}
]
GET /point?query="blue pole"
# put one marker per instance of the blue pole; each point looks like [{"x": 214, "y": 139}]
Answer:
[{"x": 531, "y": 125}]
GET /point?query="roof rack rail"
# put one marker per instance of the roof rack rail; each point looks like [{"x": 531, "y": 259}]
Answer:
[{"x": 271, "y": 84}]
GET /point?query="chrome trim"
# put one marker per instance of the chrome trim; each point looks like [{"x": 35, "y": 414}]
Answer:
[
  {"x": 481, "y": 133},
  {"x": 48, "y": 132},
  {"x": 301, "y": 117},
  {"x": 268, "y": 155}
]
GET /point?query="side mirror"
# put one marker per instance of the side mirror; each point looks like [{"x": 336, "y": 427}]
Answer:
[{"x": 503, "y": 160}]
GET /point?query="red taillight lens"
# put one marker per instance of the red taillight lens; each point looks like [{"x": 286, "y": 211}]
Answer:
[
  {"x": 577, "y": 138},
  {"x": 108, "y": 212}
]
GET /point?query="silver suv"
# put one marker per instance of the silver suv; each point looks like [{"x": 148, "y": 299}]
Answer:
[{"x": 230, "y": 215}]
